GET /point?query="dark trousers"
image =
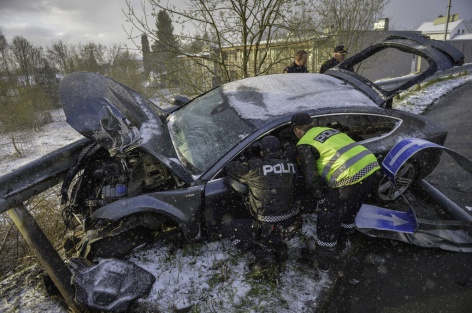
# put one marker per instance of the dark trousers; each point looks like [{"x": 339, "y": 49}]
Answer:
[
  {"x": 338, "y": 209},
  {"x": 248, "y": 234}
]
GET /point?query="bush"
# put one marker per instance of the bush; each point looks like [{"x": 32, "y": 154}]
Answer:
[{"x": 15, "y": 253}]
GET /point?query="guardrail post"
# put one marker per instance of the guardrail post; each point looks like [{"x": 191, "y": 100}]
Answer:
[
  {"x": 444, "y": 202},
  {"x": 48, "y": 257}
]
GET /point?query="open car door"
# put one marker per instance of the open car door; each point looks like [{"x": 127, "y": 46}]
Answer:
[{"x": 439, "y": 57}]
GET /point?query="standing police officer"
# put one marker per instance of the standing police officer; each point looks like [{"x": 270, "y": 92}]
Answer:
[
  {"x": 299, "y": 64},
  {"x": 339, "y": 55},
  {"x": 340, "y": 174},
  {"x": 271, "y": 181}
]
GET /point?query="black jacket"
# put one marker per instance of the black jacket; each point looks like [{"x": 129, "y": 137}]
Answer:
[
  {"x": 294, "y": 68},
  {"x": 328, "y": 64},
  {"x": 331, "y": 63},
  {"x": 271, "y": 182},
  {"x": 307, "y": 156}
]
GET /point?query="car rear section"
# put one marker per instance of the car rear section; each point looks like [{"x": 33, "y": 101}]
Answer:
[{"x": 436, "y": 55}]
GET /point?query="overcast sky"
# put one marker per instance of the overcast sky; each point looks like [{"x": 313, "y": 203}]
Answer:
[{"x": 102, "y": 21}]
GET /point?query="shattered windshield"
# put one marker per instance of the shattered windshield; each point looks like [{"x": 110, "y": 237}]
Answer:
[{"x": 206, "y": 129}]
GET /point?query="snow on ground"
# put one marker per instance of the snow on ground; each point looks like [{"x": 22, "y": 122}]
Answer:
[
  {"x": 419, "y": 101},
  {"x": 51, "y": 137},
  {"x": 211, "y": 276}
]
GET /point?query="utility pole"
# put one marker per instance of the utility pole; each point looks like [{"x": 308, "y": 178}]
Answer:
[{"x": 447, "y": 19}]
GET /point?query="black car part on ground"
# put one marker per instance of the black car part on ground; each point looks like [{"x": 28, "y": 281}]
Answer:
[{"x": 110, "y": 285}]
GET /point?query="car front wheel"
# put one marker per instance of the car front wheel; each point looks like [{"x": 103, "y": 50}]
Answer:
[{"x": 405, "y": 178}]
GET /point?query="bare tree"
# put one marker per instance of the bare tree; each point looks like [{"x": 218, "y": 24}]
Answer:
[
  {"x": 347, "y": 21},
  {"x": 62, "y": 56},
  {"x": 252, "y": 28},
  {"x": 3, "y": 54},
  {"x": 28, "y": 93},
  {"x": 91, "y": 57},
  {"x": 241, "y": 38},
  {"x": 124, "y": 68},
  {"x": 5, "y": 73},
  {"x": 24, "y": 56}
]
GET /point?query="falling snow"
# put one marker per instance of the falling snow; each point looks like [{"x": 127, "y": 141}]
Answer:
[{"x": 210, "y": 276}]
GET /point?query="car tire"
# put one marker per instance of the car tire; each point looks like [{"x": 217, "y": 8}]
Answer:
[
  {"x": 406, "y": 177},
  {"x": 119, "y": 238},
  {"x": 115, "y": 246}
]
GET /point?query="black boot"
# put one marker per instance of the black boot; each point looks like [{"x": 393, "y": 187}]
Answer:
[
  {"x": 281, "y": 252},
  {"x": 263, "y": 260},
  {"x": 308, "y": 255},
  {"x": 346, "y": 242},
  {"x": 265, "y": 266},
  {"x": 325, "y": 257}
]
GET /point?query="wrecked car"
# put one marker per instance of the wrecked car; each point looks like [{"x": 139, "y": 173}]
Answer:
[{"x": 142, "y": 171}]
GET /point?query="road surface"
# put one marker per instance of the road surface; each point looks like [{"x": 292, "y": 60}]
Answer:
[{"x": 384, "y": 276}]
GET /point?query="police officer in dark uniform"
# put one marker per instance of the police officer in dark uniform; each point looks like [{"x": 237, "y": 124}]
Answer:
[
  {"x": 340, "y": 173},
  {"x": 271, "y": 181},
  {"x": 339, "y": 55},
  {"x": 299, "y": 64}
]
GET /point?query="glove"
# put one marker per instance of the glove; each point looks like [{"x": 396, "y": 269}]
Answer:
[
  {"x": 290, "y": 151},
  {"x": 243, "y": 158},
  {"x": 318, "y": 194},
  {"x": 266, "y": 229}
]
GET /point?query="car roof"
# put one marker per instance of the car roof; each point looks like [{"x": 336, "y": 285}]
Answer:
[{"x": 266, "y": 97}]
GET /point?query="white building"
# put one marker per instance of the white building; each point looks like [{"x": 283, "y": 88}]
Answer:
[{"x": 456, "y": 28}]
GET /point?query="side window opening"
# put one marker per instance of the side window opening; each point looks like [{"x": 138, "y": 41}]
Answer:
[
  {"x": 375, "y": 69},
  {"x": 359, "y": 127}
]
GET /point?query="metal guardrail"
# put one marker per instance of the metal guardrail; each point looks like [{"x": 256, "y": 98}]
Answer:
[{"x": 389, "y": 84}]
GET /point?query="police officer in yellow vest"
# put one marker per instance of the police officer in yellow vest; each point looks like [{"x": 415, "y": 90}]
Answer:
[{"x": 339, "y": 174}]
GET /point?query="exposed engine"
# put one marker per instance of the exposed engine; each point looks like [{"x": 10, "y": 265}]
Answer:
[{"x": 99, "y": 179}]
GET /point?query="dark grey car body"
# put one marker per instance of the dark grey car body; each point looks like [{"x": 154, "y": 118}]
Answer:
[{"x": 142, "y": 167}]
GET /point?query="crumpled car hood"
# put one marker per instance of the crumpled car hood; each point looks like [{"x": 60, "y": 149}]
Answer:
[{"x": 115, "y": 116}]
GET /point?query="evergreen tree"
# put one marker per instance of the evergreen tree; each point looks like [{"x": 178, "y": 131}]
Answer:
[
  {"x": 199, "y": 43},
  {"x": 146, "y": 50},
  {"x": 166, "y": 46}
]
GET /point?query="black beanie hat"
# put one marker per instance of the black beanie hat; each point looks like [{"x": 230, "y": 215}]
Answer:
[
  {"x": 301, "y": 119},
  {"x": 270, "y": 144}
]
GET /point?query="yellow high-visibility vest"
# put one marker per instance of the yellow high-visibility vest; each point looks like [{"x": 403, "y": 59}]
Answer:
[{"x": 342, "y": 161}]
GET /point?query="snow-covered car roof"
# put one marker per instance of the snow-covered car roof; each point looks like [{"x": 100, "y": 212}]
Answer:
[{"x": 263, "y": 97}]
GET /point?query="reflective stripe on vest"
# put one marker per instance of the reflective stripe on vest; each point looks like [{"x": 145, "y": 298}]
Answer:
[{"x": 341, "y": 159}]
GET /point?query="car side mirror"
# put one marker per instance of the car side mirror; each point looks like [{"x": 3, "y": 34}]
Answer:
[{"x": 180, "y": 100}]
